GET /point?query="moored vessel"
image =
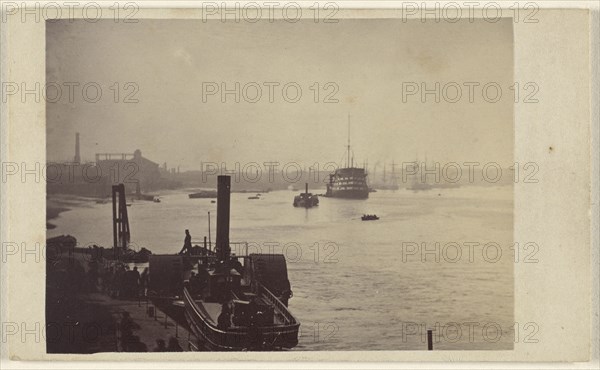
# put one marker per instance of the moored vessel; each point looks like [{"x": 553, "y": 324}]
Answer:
[{"x": 349, "y": 182}]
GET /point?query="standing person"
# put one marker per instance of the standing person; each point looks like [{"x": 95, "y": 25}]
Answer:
[
  {"x": 119, "y": 281},
  {"x": 135, "y": 282},
  {"x": 187, "y": 243},
  {"x": 224, "y": 319},
  {"x": 144, "y": 282}
]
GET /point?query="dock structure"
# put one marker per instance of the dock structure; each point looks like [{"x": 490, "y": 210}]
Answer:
[
  {"x": 140, "y": 325},
  {"x": 108, "y": 321}
]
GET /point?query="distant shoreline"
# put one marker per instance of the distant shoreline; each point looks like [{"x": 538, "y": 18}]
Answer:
[{"x": 59, "y": 203}]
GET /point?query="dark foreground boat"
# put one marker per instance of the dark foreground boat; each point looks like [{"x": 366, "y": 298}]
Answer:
[{"x": 229, "y": 302}]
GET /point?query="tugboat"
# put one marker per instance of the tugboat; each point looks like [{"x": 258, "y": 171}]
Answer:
[
  {"x": 349, "y": 182},
  {"x": 306, "y": 199},
  {"x": 228, "y": 302}
]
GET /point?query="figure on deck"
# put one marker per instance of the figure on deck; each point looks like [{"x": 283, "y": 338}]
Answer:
[
  {"x": 144, "y": 282},
  {"x": 187, "y": 243},
  {"x": 224, "y": 319}
]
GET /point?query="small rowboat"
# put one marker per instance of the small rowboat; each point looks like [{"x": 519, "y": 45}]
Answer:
[{"x": 369, "y": 218}]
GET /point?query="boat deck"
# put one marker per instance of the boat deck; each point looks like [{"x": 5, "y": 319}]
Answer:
[{"x": 212, "y": 310}]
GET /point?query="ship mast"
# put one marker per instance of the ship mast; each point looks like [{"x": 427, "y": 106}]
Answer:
[
  {"x": 348, "y": 158},
  {"x": 384, "y": 173}
]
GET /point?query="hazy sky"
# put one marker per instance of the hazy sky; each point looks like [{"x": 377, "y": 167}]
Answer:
[{"x": 367, "y": 59}]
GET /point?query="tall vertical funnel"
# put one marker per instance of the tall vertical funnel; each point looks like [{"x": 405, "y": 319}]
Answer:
[{"x": 223, "y": 197}]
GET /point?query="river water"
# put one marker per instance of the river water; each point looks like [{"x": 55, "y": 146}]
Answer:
[{"x": 438, "y": 259}]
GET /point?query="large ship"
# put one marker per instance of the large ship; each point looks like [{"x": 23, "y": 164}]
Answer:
[{"x": 349, "y": 182}]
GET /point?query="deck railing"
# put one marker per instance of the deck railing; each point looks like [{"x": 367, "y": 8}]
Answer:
[
  {"x": 239, "y": 248},
  {"x": 289, "y": 319},
  {"x": 216, "y": 337}
]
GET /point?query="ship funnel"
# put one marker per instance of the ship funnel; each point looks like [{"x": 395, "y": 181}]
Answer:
[
  {"x": 306, "y": 191},
  {"x": 223, "y": 197}
]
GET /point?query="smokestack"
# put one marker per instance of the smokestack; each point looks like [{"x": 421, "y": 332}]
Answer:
[
  {"x": 223, "y": 197},
  {"x": 306, "y": 191},
  {"x": 77, "y": 157}
]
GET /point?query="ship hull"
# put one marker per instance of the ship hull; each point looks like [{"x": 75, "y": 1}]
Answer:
[
  {"x": 349, "y": 194},
  {"x": 301, "y": 201},
  {"x": 348, "y": 183}
]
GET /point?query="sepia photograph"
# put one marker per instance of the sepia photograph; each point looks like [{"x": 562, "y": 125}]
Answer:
[
  {"x": 281, "y": 186},
  {"x": 289, "y": 185}
]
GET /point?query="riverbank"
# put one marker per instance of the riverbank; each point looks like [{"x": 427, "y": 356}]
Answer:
[{"x": 59, "y": 203}]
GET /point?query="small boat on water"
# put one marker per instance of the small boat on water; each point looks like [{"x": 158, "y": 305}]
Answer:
[
  {"x": 306, "y": 199},
  {"x": 203, "y": 194},
  {"x": 369, "y": 217},
  {"x": 254, "y": 197},
  {"x": 229, "y": 302}
]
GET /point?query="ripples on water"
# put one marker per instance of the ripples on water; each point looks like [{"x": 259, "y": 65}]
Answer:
[{"x": 352, "y": 288}]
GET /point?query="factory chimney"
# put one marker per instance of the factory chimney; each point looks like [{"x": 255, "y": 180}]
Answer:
[{"x": 77, "y": 156}]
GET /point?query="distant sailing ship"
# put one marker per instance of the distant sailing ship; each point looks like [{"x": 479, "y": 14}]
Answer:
[
  {"x": 418, "y": 184},
  {"x": 391, "y": 184},
  {"x": 349, "y": 182}
]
